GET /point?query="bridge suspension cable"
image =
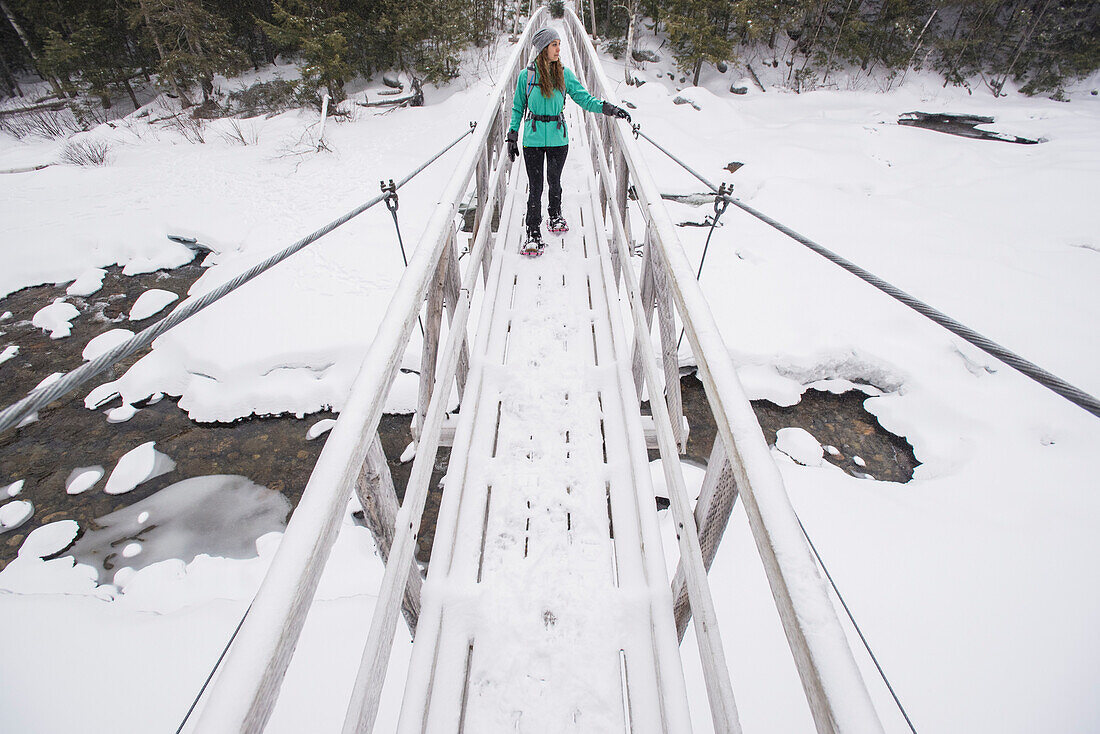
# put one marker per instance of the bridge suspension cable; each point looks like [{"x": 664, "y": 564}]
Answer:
[
  {"x": 1047, "y": 379},
  {"x": 14, "y": 414}
]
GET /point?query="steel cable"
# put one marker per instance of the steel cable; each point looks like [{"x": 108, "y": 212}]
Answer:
[
  {"x": 213, "y": 670},
  {"x": 14, "y": 414},
  {"x": 867, "y": 645},
  {"x": 1038, "y": 374}
]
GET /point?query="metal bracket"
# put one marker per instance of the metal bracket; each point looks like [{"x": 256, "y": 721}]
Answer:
[
  {"x": 722, "y": 200},
  {"x": 636, "y": 129},
  {"x": 390, "y": 190}
]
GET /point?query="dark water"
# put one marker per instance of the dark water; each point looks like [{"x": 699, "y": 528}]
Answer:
[
  {"x": 840, "y": 421},
  {"x": 273, "y": 452}
]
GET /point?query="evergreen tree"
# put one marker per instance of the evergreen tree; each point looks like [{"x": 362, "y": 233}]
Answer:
[
  {"x": 698, "y": 32},
  {"x": 431, "y": 33},
  {"x": 97, "y": 47},
  {"x": 316, "y": 31},
  {"x": 1065, "y": 46},
  {"x": 192, "y": 43},
  {"x": 96, "y": 56}
]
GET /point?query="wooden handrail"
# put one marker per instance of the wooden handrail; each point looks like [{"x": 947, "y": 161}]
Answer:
[
  {"x": 832, "y": 683},
  {"x": 245, "y": 692}
]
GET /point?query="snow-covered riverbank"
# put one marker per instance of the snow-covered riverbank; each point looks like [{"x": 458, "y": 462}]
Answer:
[{"x": 975, "y": 582}]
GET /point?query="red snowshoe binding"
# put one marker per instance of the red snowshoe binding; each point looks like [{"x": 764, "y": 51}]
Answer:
[
  {"x": 533, "y": 245},
  {"x": 557, "y": 224}
]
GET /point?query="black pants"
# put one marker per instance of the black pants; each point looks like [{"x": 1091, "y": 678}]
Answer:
[{"x": 533, "y": 158}]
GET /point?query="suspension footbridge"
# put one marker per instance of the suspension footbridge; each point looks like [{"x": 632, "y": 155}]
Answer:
[{"x": 547, "y": 606}]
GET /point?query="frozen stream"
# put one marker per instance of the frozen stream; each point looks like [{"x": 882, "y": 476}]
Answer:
[{"x": 66, "y": 459}]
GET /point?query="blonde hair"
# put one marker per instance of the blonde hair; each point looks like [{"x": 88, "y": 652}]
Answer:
[{"x": 551, "y": 74}]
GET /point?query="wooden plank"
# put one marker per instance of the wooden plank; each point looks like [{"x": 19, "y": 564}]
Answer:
[
  {"x": 622, "y": 172},
  {"x": 669, "y": 357},
  {"x": 482, "y": 189},
  {"x": 831, "y": 680},
  {"x": 452, "y": 286},
  {"x": 717, "y": 498},
  {"x": 712, "y": 656},
  {"x": 649, "y": 431},
  {"x": 378, "y": 498},
  {"x": 655, "y": 669},
  {"x": 648, "y": 303},
  {"x": 363, "y": 706},
  {"x": 425, "y": 654},
  {"x": 247, "y": 688},
  {"x": 430, "y": 348}
]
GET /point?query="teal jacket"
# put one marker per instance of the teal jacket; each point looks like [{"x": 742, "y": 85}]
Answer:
[{"x": 548, "y": 134}]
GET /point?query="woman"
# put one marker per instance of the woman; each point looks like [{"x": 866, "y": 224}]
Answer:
[{"x": 540, "y": 93}]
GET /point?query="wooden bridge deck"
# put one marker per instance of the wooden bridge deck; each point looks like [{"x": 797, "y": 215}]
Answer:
[{"x": 547, "y": 605}]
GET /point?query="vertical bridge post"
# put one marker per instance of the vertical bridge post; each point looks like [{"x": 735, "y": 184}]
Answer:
[{"x": 377, "y": 495}]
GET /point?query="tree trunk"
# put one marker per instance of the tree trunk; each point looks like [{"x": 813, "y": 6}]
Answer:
[
  {"x": 592, "y": 12},
  {"x": 630, "y": 38},
  {"x": 1021, "y": 46},
  {"x": 27, "y": 44},
  {"x": 206, "y": 81},
  {"x": 160, "y": 52},
  {"x": 920, "y": 38},
  {"x": 839, "y": 30},
  {"x": 698, "y": 68},
  {"x": 130, "y": 91},
  {"x": 813, "y": 42},
  {"x": 9, "y": 79}
]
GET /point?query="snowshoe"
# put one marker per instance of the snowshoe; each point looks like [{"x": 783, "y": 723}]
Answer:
[
  {"x": 556, "y": 223},
  {"x": 533, "y": 245}
]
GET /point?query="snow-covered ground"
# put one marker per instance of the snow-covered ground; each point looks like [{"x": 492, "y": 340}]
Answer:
[{"x": 975, "y": 582}]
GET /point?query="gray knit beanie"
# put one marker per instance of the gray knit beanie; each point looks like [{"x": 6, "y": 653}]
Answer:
[{"x": 544, "y": 38}]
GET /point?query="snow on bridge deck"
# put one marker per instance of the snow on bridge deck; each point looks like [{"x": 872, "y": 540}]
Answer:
[{"x": 547, "y": 605}]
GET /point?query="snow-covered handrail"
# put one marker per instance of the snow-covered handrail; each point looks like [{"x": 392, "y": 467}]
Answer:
[
  {"x": 715, "y": 671},
  {"x": 834, "y": 688},
  {"x": 246, "y": 691}
]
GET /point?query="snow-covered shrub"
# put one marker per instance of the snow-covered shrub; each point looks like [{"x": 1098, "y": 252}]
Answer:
[
  {"x": 193, "y": 129},
  {"x": 243, "y": 134},
  {"x": 616, "y": 47},
  {"x": 41, "y": 123},
  {"x": 265, "y": 98},
  {"x": 86, "y": 153}
]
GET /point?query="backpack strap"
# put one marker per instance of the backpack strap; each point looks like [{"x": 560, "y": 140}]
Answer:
[
  {"x": 530, "y": 85},
  {"x": 535, "y": 119}
]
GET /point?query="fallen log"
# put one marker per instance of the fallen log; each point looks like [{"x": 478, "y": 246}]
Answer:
[
  {"x": 46, "y": 106},
  {"x": 27, "y": 169},
  {"x": 395, "y": 102},
  {"x": 755, "y": 78}
]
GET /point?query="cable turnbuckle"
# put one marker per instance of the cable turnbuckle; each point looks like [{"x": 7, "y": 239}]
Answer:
[
  {"x": 390, "y": 190},
  {"x": 722, "y": 200}
]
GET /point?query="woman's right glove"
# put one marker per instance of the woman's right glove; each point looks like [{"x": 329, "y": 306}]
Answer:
[
  {"x": 612, "y": 111},
  {"x": 512, "y": 138}
]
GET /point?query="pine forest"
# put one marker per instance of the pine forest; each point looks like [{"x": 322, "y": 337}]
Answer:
[{"x": 101, "y": 50}]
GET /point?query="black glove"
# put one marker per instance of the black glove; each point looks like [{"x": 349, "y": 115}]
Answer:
[
  {"x": 612, "y": 111},
  {"x": 512, "y": 138}
]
